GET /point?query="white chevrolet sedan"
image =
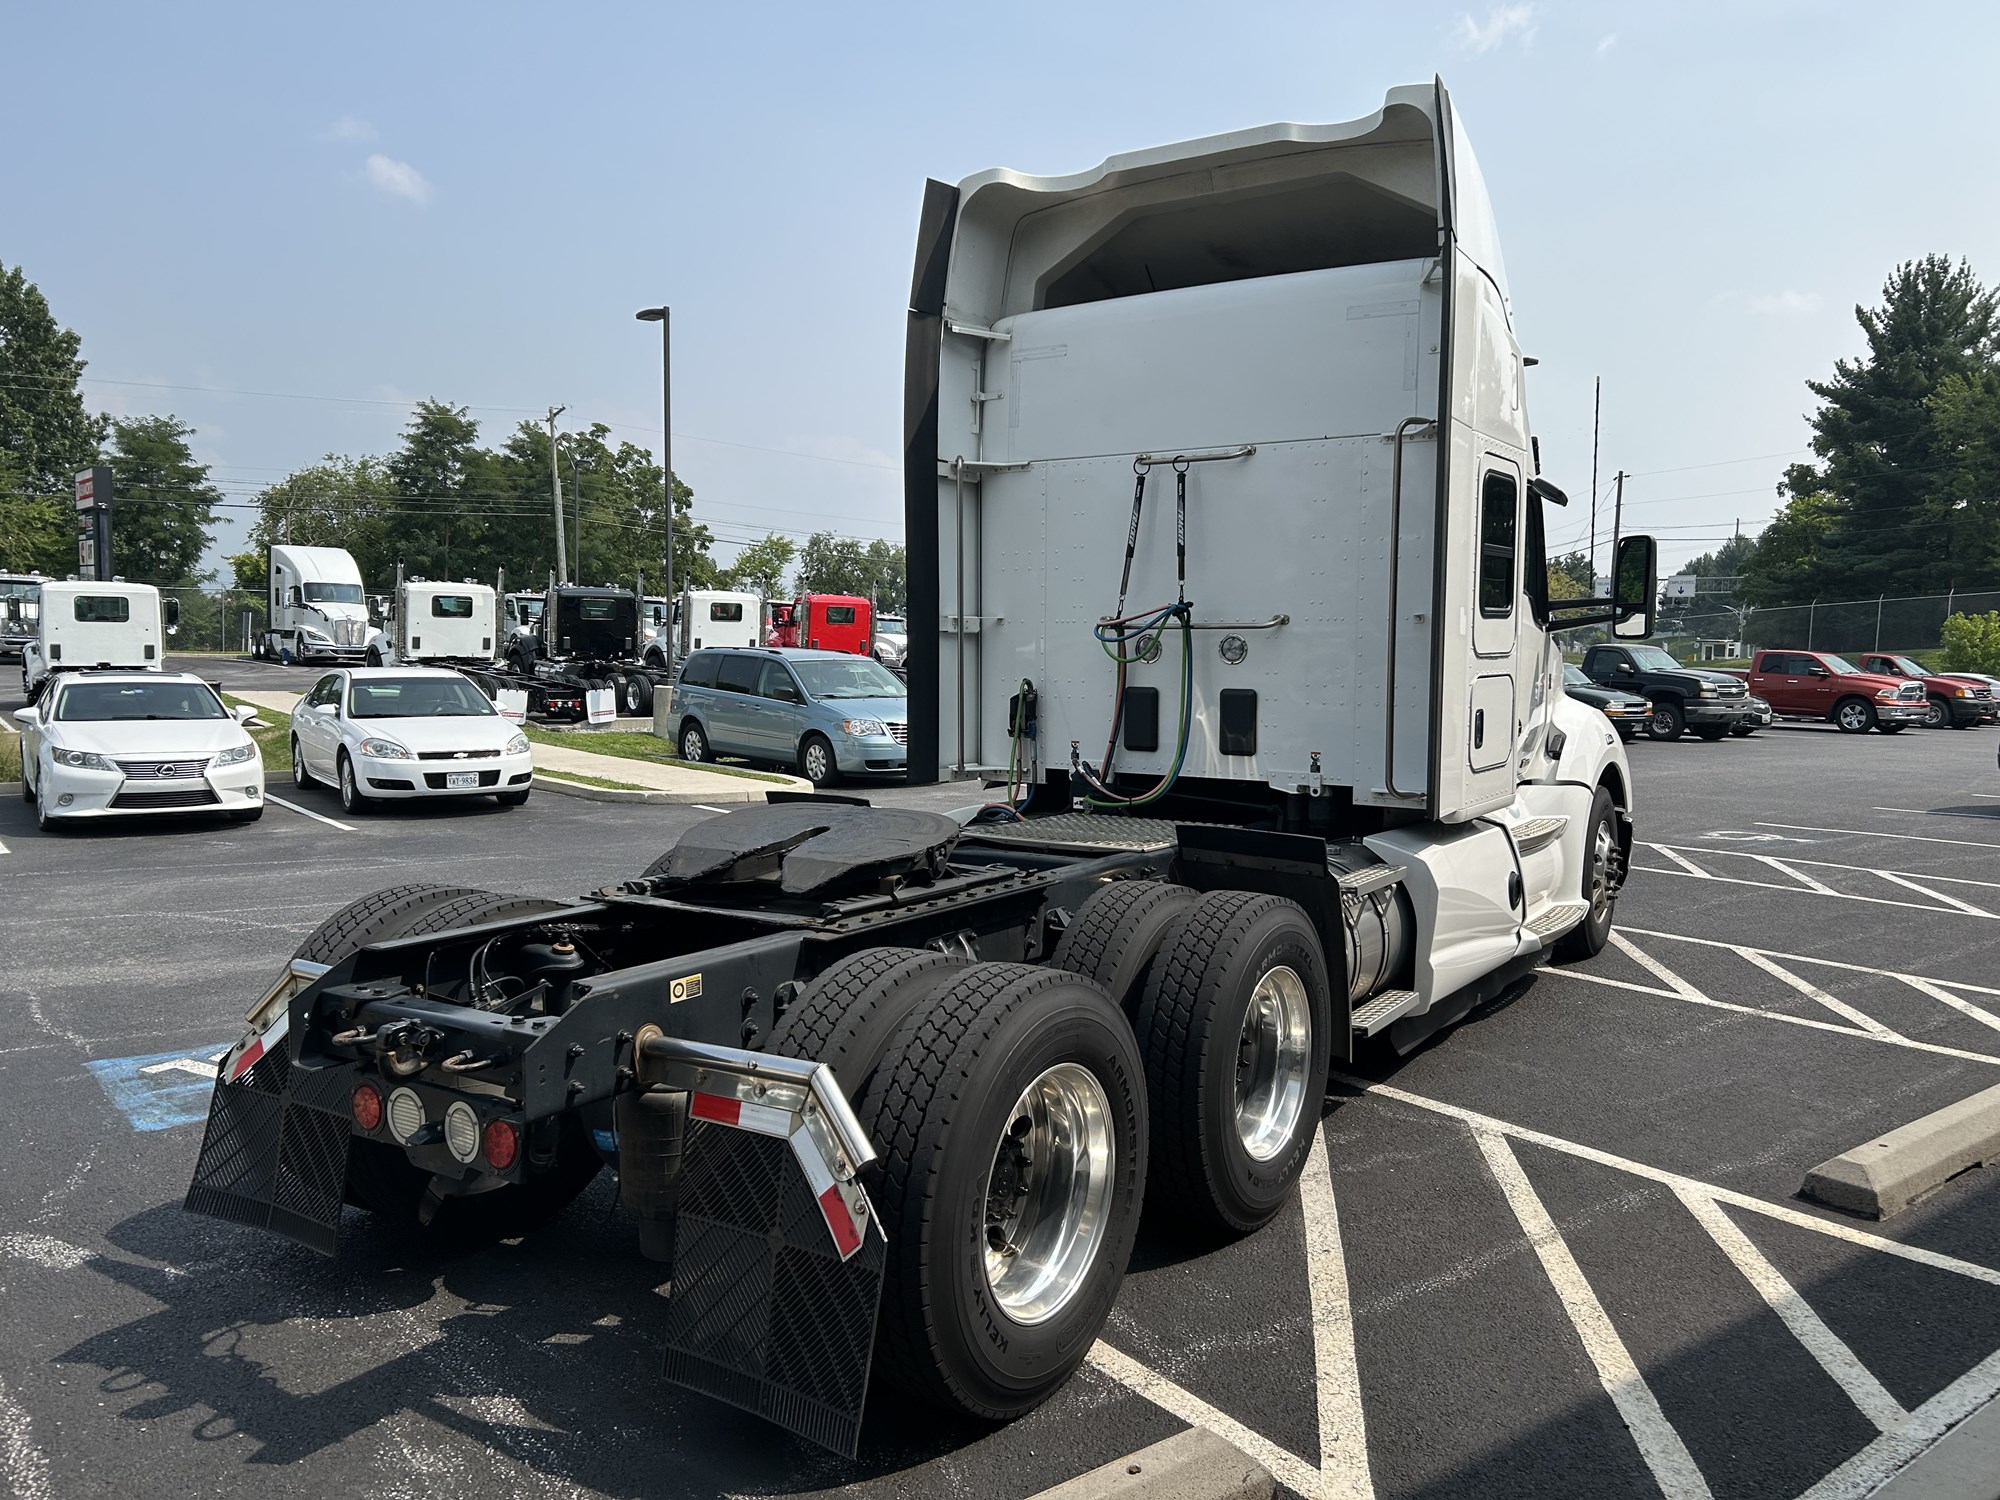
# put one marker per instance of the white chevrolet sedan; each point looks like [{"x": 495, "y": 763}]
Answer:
[
  {"x": 113, "y": 744},
  {"x": 377, "y": 733}
]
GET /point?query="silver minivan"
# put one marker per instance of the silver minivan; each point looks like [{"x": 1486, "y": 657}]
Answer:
[{"x": 827, "y": 713}]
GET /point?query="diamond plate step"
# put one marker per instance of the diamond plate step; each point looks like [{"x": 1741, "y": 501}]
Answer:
[
  {"x": 1539, "y": 833},
  {"x": 1383, "y": 1011},
  {"x": 1558, "y": 919}
]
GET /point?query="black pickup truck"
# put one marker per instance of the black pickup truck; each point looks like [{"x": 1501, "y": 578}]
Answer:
[{"x": 1708, "y": 702}]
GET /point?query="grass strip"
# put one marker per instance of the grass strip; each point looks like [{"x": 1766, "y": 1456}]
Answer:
[
  {"x": 631, "y": 746},
  {"x": 274, "y": 740},
  {"x": 610, "y": 786},
  {"x": 10, "y": 756}
]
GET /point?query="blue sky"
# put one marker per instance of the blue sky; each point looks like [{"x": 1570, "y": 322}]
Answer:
[{"x": 379, "y": 203}]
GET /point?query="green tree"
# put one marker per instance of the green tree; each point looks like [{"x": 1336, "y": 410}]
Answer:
[
  {"x": 46, "y": 432},
  {"x": 1972, "y": 643},
  {"x": 1563, "y": 584},
  {"x": 1788, "y": 565},
  {"x": 1882, "y": 464},
  {"x": 1576, "y": 567},
  {"x": 165, "y": 506},
  {"x": 337, "y": 502},
  {"x": 840, "y": 565},
  {"x": 431, "y": 478},
  {"x": 760, "y": 567},
  {"x": 1966, "y": 410}
]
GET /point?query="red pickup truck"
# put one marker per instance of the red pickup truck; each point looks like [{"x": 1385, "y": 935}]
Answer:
[
  {"x": 1820, "y": 685},
  {"x": 1959, "y": 702}
]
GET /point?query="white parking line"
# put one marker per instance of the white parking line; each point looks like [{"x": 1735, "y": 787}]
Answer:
[
  {"x": 1287, "y": 1467},
  {"x": 1821, "y": 1342},
  {"x": 1832, "y": 1228},
  {"x": 1796, "y": 890},
  {"x": 1978, "y": 1013},
  {"x": 1814, "y": 993},
  {"x": 4, "y": 849},
  {"x": 306, "y": 812},
  {"x": 1806, "y": 958},
  {"x": 1343, "y": 1435},
  {"x": 1799, "y": 875},
  {"x": 704, "y": 807},
  {"x": 1870, "y": 833},
  {"x": 1933, "y": 812},
  {"x": 1923, "y": 890},
  {"x": 1680, "y": 989},
  {"x": 1687, "y": 865},
  {"x": 1665, "y": 1454}
]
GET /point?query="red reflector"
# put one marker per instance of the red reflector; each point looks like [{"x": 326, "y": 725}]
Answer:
[
  {"x": 503, "y": 1144},
  {"x": 367, "y": 1107}
]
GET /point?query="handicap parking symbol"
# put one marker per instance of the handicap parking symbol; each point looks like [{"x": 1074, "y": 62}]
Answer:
[{"x": 162, "y": 1089}]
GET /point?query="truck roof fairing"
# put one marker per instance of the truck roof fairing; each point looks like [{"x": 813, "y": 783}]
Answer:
[{"x": 1372, "y": 189}]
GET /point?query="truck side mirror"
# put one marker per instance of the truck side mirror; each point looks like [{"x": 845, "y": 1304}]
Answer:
[
  {"x": 13, "y": 611},
  {"x": 292, "y": 597},
  {"x": 173, "y": 612},
  {"x": 1635, "y": 588}
]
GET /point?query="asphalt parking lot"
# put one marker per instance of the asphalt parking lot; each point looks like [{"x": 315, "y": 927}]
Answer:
[{"x": 1557, "y": 1252}]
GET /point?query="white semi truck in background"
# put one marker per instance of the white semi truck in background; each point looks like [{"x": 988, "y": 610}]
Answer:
[
  {"x": 84, "y": 626},
  {"x": 318, "y": 606},
  {"x": 1245, "y": 416},
  {"x": 707, "y": 617},
  {"x": 429, "y": 623}
]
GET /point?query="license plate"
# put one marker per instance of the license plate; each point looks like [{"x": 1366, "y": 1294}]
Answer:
[{"x": 453, "y": 780}]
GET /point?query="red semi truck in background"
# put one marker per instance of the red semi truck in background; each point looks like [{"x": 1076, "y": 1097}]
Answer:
[{"x": 824, "y": 622}]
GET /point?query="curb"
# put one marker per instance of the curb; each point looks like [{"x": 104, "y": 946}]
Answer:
[
  {"x": 1191, "y": 1465},
  {"x": 1886, "y": 1175},
  {"x": 1964, "y": 1464},
  {"x": 547, "y": 782}
]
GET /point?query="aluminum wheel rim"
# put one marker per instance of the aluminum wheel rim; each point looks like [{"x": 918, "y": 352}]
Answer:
[
  {"x": 1048, "y": 1194},
  {"x": 1854, "y": 715},
  {"x": 1934, "y": 716},
  {"x": 350, "y": 793},
  {"x": 1660, "y": 722},
  {"x": 691, "y": 746},
  {"x": 1601, "y": 846},
  {"x": 815, "y": 763},
  {"x": 1272, "y": 1057}
]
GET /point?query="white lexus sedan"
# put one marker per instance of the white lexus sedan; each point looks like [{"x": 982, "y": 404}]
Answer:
[
  {"x": 112, "y": 744},
  {"x": 377, "y": 733}
]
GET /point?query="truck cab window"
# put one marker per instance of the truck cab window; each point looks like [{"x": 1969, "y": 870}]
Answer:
[
  {"x": 451, "y": 606},
  {"x": 1499, "y": 502},
  {"x": 103, "y": 609},
  {"x": 840, "y": 614}
]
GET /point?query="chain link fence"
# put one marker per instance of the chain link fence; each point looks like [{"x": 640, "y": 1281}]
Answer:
[
  {"x": 1912, "y": 623},
  {"x": 217, "y": 619}
]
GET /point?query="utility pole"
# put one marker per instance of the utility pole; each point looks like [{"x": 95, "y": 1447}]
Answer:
[
  {"x": 663, "y": 315},
  {"x": 1596, "y": 410},
  {"x": 555, "y": 478},
  {"x": 1617, "y": 527}
]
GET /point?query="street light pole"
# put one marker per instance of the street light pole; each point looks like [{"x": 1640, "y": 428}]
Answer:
[{"x": 663, "y": 316}]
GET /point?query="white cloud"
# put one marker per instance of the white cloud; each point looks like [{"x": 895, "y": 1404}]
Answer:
[
  {"x": 1605, "y": 45},
  {"x": 397, "y": 178},
  {"x": 1502, "y": 24},
  {"x": 349, "y": 130},
  {"x": 1785, "y": 303}
]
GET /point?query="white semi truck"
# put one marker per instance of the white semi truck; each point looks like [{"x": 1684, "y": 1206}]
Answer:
[
  {"x": 1226, "y": 562},
  {"x": 20, "y": 609},
  {"x": 429, "y": 623},
  {"x": 84, "y": 626},
  {"x": 318, "y": 607}
]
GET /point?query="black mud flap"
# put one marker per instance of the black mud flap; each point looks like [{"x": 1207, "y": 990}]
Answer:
[
  {"x": 274, "y": 1155},
  {"x": 765, "y": 1314}
]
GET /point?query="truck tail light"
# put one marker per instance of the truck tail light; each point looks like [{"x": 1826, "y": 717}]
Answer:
[
  {"x": 367, "y": 1106},
  {"x": 503, "y": 1144}
]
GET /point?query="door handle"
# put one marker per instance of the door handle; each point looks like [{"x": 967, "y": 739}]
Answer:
[{"x": 1478, "y": 728}]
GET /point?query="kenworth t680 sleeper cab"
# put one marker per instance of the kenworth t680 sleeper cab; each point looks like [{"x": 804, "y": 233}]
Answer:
[{"x": 1227, "y": 565}]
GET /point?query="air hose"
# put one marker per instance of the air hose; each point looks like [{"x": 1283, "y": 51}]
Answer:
[{"x": 1128, "y": 638}]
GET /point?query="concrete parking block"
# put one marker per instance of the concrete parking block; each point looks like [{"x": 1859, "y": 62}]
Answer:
[
  {"x": 1191, "y": 1465},
  {"x": 1886, "y": 1175}
]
